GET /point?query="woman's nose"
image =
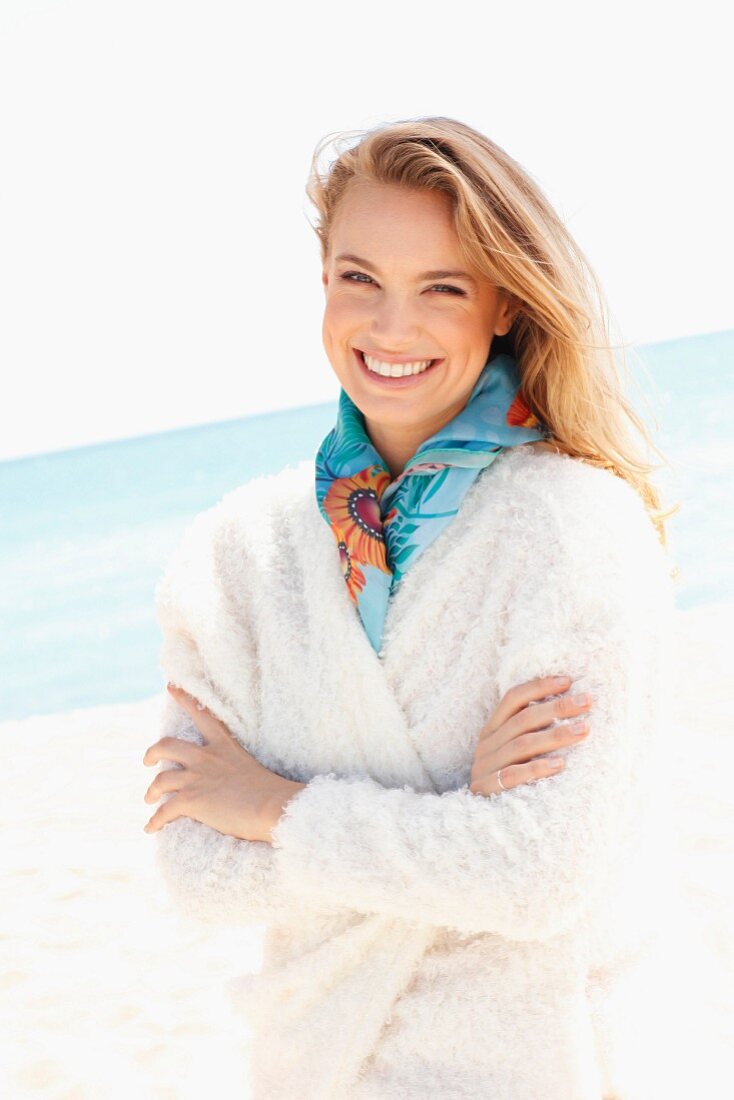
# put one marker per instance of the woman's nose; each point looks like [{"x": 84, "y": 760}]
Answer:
[{"x": 394, "y": 325}]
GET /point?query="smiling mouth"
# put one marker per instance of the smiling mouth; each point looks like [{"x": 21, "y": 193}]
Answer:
[{"x": 400, "y": 377}]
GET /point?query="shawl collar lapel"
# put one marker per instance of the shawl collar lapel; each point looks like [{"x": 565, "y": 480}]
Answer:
[
  {"x": 418, "y": 600},
  {"x": 367, "y": 959}
]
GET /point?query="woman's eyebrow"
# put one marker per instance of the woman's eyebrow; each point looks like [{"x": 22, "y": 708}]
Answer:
[{"x": 426, "y": 274}]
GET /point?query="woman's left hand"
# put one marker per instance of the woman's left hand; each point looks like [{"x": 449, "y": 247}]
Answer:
[{"x": 218, "y": 783}]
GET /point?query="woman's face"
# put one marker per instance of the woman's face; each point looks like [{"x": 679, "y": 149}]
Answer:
[{"x": 395, "y": 291}]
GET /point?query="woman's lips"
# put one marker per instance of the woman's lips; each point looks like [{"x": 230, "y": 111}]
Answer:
[{"x": 393, "y": 383}]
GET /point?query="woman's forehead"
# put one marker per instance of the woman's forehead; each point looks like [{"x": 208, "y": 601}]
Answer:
[{"x": 382, "y": 220}]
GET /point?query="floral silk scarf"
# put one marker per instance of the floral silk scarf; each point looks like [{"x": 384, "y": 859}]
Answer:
[{"x": 381, "y": 526}]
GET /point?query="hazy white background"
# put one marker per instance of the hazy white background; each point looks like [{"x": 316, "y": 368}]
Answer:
[{"x": 157, "y": 268}]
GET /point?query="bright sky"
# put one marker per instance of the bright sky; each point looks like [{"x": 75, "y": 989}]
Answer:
[{"x": 157, "y": 268}]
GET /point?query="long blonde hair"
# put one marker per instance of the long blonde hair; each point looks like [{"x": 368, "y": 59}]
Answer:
[{"x": 509, "y": 231}]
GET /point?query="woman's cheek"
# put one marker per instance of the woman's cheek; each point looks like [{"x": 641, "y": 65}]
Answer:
[{"x": 343, "y": 310}]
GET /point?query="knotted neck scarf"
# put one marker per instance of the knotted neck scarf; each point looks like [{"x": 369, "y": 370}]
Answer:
[{"x": 382, "y": 526}]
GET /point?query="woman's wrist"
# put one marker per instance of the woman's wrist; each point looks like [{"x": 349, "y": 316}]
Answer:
[{"x": 287, "y": 789}]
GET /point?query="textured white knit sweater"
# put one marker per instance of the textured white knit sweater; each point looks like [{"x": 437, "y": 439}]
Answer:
[{"x": 423, "y": 940}]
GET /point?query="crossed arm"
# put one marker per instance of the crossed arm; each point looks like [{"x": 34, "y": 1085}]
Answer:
[{"x": 526, "y": 863}]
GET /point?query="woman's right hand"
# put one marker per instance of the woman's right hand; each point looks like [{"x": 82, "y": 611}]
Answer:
[{"x": 518, "y": 732}]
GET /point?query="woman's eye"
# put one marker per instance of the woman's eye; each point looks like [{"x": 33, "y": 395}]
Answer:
[{"x": 356, "y": 276}]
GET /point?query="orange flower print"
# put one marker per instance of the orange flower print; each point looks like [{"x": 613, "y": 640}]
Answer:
[
  {"x": 353, "y": 507},
  {"x": 519, "y": 415},
  {"x": 353, "y": 575},
  {"x": 390, "y": 517}
]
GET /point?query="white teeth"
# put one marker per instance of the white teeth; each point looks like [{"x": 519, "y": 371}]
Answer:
[{"x": 395, "y": 370}]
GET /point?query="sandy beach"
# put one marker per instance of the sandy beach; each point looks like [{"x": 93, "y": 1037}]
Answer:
[{"x": 106, "y": 991}]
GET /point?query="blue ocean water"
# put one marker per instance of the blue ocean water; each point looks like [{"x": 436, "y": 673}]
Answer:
[{"x": 84, "y": 533}]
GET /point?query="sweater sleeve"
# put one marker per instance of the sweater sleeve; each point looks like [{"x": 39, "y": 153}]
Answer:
[
  {"x": 212, "y": 877},
  {"x": 595, "y": 603},
  {"x": 206, "y": 640}
]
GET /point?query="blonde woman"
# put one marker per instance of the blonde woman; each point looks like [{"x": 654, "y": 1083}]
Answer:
[{"x": 416, "y": 710}]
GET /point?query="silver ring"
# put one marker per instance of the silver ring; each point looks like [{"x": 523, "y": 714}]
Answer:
[{"x": 499, "y": 780}]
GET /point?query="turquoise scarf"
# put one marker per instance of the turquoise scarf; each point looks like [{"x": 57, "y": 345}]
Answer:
[{"x": 381, "y": 526}]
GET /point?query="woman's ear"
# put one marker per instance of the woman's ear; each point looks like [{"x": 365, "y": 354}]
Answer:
[{"x": 510, "y": 309}]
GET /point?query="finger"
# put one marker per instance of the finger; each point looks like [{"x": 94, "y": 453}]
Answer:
[
  {"x": 172, "y": 779},
  {"x": 542, "y": 716},
  {"x": 203, "y": 719},
  {"x": 513, "y": 775},
  {"x": 539, "y": 768},
  {"x": 169, "y": 811},
  {"x": 516, "y": 745},
  {"x": 518, "y": 697},
  {"x": 171, "y": 748}
]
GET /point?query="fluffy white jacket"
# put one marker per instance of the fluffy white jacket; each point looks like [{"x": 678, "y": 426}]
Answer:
[{"x": 423, "y": 940}]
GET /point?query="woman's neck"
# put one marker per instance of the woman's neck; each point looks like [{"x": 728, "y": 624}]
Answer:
[{"x": 396, "y": 446}]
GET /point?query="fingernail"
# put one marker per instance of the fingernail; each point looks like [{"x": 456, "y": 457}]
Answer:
[{"x": 561, "y": 680}]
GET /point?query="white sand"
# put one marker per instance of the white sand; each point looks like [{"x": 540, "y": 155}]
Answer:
[{"x": 106, "y": 991}]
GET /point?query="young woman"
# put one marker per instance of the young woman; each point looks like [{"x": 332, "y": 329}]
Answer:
[{"x": 418, "y": 683}]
